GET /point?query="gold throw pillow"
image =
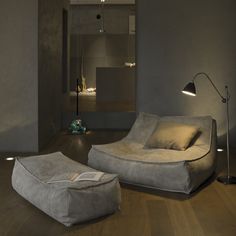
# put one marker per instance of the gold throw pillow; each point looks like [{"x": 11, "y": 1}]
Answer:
[{"x": 171, "y": 135}]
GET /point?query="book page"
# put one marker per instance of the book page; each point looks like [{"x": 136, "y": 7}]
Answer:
[
  {"x": 65, "y": 177},
  {"x": 73, "y": 177},
  {"x": 91, "y": 176}
]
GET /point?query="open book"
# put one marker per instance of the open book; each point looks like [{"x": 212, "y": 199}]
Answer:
[{"x": 73, "y": 177}]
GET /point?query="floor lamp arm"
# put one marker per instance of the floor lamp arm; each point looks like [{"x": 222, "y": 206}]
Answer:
[{"x": 223, "y": 99}]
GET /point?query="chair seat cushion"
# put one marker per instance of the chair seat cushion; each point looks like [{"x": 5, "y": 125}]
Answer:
[{"x": 67, "y": 202}]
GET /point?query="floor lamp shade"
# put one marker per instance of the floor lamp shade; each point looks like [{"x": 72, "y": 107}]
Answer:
[{"x": 190, "y": 89}]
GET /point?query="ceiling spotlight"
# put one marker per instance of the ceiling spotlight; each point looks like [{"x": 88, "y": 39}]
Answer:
[
  {"x": 102, "y": 0},
  {"x": 9, "y": 158}
]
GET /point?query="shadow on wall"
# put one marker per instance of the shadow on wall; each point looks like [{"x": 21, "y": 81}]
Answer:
[
  {"x": 20, "y": 138},
  {"x": 222, "y": 138}
]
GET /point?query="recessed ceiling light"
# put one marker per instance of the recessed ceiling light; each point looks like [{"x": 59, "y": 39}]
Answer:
[
  {"x": 220, "y": 150},
  {"x": 9, "y": 158}
]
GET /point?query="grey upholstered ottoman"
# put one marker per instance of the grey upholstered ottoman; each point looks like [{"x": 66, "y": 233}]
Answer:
[{"x": 66, "y": 201}]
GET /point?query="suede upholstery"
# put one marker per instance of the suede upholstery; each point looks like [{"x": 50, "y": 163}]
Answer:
[
  {"x": 165, "y": 169},
  {"x": 171, "y": 135},
  {"x": 67, "y": 202}
]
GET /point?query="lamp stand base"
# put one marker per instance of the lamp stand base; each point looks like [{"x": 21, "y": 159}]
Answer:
[{"x": 227, "y": 179}]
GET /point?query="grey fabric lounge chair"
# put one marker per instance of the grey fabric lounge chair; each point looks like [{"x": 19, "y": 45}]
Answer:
[{"x": 164, "y": 169}]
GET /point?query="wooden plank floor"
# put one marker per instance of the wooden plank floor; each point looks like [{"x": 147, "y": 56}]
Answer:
[{"x": 211, "y": 211}]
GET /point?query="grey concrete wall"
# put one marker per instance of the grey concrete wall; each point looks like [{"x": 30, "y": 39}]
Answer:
[
  {"x": 50, "y": 68},
  {"x": 115, "y": 84},
  {"x": 19, "y": 75},
  {"x": 111, "y": 49},
  {"x": 177, "y": 39},
  {"x": 116, "y": 19}
]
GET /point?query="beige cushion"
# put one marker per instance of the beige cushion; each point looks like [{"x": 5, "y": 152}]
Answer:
[{"x": 171, "y": 135}]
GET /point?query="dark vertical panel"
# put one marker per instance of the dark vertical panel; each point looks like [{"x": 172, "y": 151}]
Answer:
[
  {"x": 50, "y": 68},
  {"x": 64, "y": 50}
]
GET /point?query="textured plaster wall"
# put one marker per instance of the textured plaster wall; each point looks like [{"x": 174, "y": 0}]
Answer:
[
  {"x": 116, "y": 84},
  {"x": 18, "y": 75},
  {"x": 116, "y": 19},
  {"x": 111, "y": 49},
  {"x": 31, "y": 73},
  {"x": 177, "y": 39},
  {"x": 50, "y": 68}
]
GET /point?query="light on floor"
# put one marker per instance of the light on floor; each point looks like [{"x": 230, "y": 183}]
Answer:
[
  {"x": 9, "y": 158},
  {"x": 220, "y": 150}
]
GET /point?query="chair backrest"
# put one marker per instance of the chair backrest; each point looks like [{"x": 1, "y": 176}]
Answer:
[
  {"x": 146, "y": 123},
  {"x": 143, "y": 127},
  {"x": 205, "y": 124}
]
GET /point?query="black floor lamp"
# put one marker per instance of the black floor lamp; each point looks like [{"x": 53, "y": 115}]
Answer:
[
  {"x": 190, "y": 89},
  {"x": 76, "y": 126}
]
